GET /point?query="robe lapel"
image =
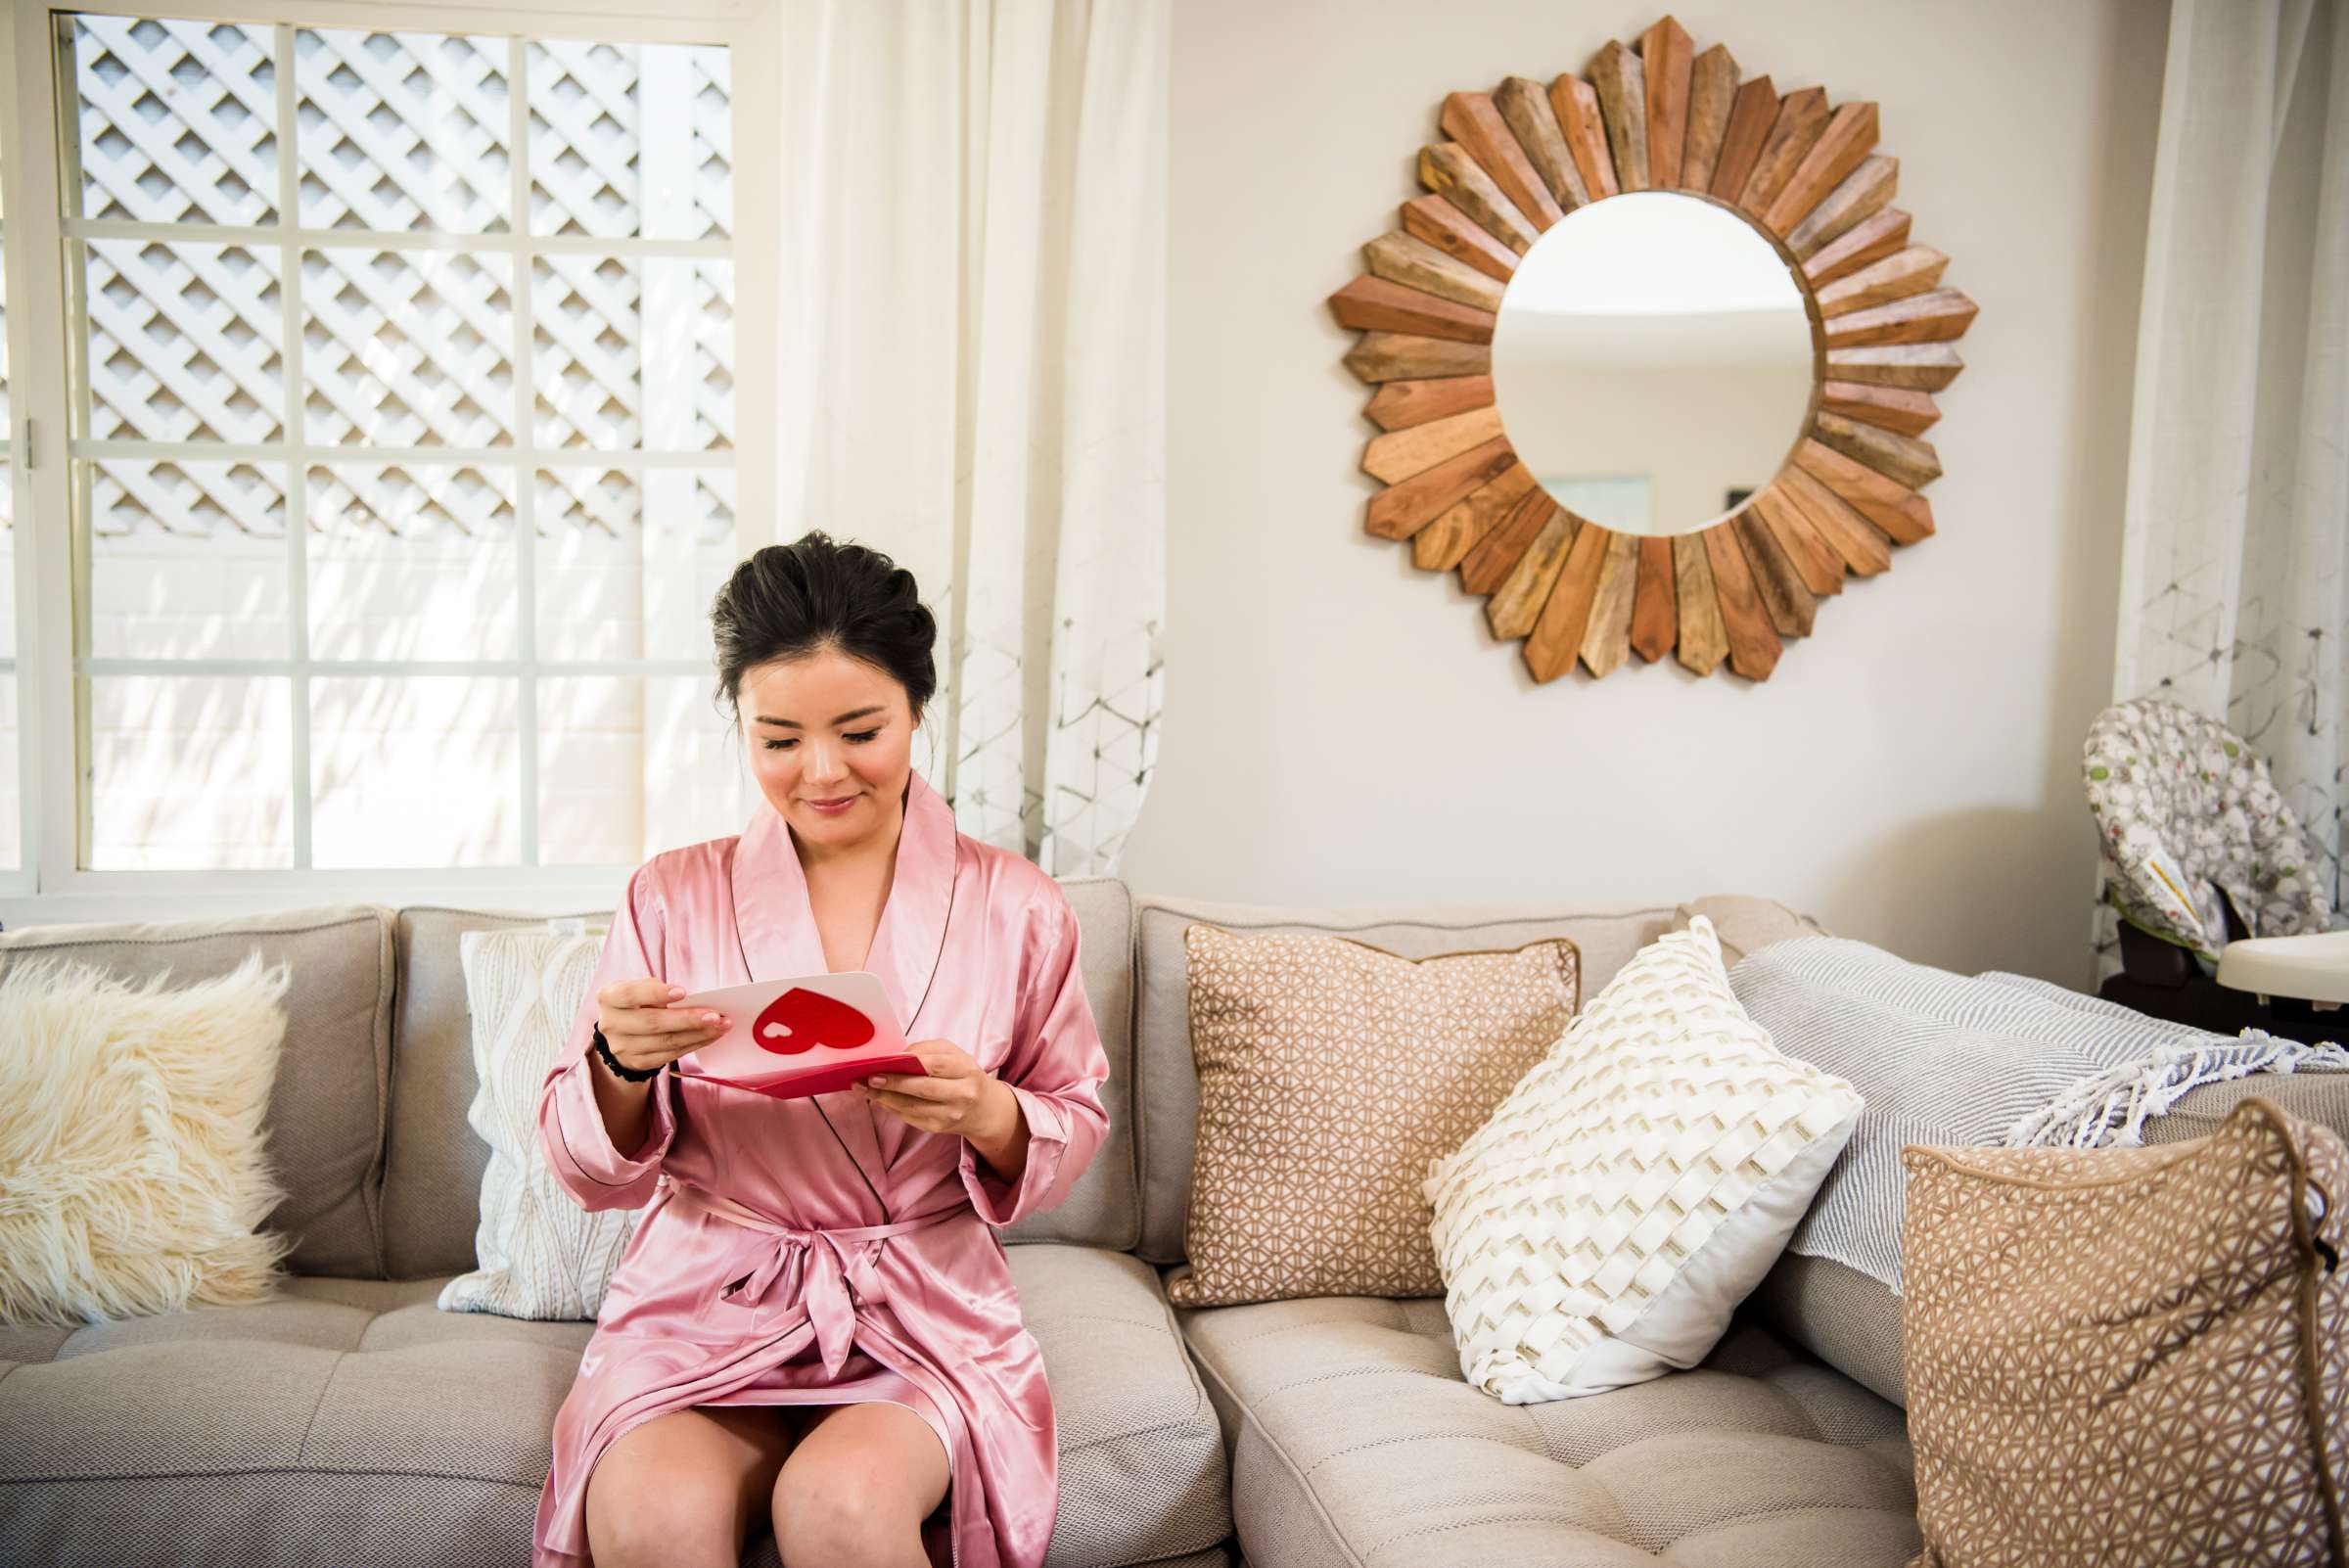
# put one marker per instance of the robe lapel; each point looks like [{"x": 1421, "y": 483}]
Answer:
[
  {"x": 912, "y": 934},
  {"x": 772, "y": 914},
  {"x": 775, "y": 920}
]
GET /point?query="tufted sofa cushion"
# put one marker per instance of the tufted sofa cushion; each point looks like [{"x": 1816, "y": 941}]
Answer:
[
  {"x": 1356, "y": 1443},
  {"x": 353, "y": 1411}
]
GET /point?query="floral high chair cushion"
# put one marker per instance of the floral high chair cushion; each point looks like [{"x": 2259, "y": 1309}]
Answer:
[{"x": 2186, "y": 814}]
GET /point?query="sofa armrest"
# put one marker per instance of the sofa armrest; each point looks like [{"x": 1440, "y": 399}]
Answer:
[{"x": 1744, "y": 922}]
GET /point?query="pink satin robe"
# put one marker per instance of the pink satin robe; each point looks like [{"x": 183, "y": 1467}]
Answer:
[{"x": 822, "y": 1250}]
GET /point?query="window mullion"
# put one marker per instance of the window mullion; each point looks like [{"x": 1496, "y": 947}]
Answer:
[
  {"x": 330, "y": 452},
  {"x": 74, "y": 394},
  {"x": 525, "y": 476},
  {"x": 386, "y": 240},
  {"x": 46, "y": 617},
  {"x": 290, "y": 441}
]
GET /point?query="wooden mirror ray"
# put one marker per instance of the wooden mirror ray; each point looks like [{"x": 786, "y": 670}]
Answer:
[{"x": 1516, "y": 159}]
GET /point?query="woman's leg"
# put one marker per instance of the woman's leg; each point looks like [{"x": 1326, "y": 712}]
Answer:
[
  {"x": 856, "y": 1487},
  {"x": 684, "y": 1488}
]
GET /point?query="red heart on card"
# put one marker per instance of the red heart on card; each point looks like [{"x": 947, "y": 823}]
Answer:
[{"x": 808, "y": 1019}]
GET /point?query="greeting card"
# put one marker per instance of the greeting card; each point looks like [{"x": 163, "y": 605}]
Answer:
[{"x": 788, "y": 1039}]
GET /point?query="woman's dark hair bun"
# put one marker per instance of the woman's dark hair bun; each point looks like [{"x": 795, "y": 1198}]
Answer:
[{"x": 791, "y": 601}]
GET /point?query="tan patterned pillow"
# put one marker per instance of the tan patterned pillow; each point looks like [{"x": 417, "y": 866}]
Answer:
[
  {"x": 1331, "y": 1073},
  {"x": 2131, "y": 1356}
]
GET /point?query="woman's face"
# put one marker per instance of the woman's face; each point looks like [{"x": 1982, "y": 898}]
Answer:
[{"x": 828, "y": 728}]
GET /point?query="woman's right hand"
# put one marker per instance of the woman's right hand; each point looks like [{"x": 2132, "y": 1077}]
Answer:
[{"x": 644, "y": 1032}]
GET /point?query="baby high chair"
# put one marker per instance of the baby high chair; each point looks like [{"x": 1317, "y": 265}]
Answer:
[{"x": 2225, "y": 922}]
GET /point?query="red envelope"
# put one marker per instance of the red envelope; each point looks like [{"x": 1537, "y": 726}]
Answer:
[{"x": 788, "y": 1039}]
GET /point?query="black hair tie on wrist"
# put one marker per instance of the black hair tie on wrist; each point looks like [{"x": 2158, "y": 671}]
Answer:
[{"x": 634, "y": 1075}]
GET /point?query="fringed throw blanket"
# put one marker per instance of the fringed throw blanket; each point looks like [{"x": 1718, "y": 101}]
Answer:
[
  {"x": 2111, "y": 1108},
  {"x": 1986, "y": 1059}
]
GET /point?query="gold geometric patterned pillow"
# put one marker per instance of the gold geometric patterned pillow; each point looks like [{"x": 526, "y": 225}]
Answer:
[
  {"x": 1331, "y": 1073},
  {"x": 2131, "y": 1356}
]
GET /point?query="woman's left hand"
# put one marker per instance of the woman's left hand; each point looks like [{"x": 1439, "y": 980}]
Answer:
[{"x": 958, "y": 1095}]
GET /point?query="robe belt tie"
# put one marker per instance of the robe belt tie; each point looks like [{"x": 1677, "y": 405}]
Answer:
[{"x": 836, "y": 1263}]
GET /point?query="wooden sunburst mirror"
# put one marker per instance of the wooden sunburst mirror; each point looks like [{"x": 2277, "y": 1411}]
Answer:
[{"x": 1801, "y": 180}]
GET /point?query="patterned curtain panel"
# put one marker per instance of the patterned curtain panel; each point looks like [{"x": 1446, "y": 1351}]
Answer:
[
  {"x": 2235, "y": 565},
  {"x": 973, "y": 377}
]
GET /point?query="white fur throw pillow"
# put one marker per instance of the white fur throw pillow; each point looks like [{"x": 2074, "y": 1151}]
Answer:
[
  {"x": 539, "y": 1253},
  {"x": 133, "y": 1175},
  {"x": 1600, "y": 1229}
]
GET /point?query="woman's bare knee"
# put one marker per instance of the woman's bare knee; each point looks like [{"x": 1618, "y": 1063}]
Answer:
[
  {"x": 858, "y": 1486},
  {"x": 817, "y": 1521},
  {"x": 685, "y": 1488}
]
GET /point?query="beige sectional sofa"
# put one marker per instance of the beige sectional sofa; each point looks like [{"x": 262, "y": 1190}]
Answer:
[{"x": 352, "y": 1422}]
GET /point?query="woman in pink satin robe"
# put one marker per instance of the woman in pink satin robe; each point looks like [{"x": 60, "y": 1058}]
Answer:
[{"x": 819, "y": 1249}]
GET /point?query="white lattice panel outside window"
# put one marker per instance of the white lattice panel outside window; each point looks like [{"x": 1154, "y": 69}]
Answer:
[
  {"x": 403, "y": 131},
  {"x": 462, "y": 311},
  {"x": 184, "y": 341},
  {"x": 407, "y": 347},
  {"x": 596, "y": 110},
  {"x": 178, "y": 120}
]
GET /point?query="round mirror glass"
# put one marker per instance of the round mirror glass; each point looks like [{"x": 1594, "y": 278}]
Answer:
[{"x": 1652, "y": 361}]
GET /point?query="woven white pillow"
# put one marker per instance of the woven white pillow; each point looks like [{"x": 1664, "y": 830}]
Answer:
[
  {"x": 134, "y": 1178},
  {"x": 539, "y": 1253},
  {"x": 1601, "y": 1226}
]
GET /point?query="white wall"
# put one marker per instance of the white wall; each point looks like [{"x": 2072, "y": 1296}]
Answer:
[{"x": 1340, "y": 727}]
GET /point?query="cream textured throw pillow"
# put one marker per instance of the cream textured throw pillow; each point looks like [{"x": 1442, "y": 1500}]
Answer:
[
  {"x": 1602, "y": 1227},
  {"x": 133, "y": 1175},
  {"x": 540, "y": 1254},
  {"x": 1330, "y": 1073}
]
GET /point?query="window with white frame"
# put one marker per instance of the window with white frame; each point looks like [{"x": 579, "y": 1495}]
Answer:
[{"x": 402, "y": 409}]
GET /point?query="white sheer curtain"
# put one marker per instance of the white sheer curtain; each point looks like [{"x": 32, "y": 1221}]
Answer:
[
  {"x": 972, "y": 352},
  {"x": 2235, "y": 564}
]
